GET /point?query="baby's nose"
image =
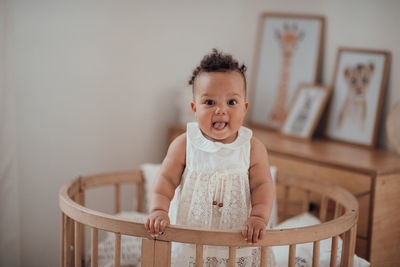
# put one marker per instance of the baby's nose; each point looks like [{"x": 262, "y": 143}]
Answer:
[{"x": 221, "y": 109}]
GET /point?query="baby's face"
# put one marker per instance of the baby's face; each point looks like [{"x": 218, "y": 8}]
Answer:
[{"x": 219, "y": 104}]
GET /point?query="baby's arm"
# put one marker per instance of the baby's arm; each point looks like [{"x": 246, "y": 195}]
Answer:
[
  {"x": 163, "y": 191},
  {"x": 262, "y": 192}
]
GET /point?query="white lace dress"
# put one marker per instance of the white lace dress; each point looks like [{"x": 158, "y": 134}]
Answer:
[{"x": 214, "y": 193}]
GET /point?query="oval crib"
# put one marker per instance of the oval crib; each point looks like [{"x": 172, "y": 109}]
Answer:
[{"x": 337, "y": 209}]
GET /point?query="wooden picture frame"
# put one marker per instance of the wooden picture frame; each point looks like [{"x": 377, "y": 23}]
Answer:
[
  {"x": 288, "y": 52},
  {"x": 358, "y": 89},
  {"x": 306, "y": 110}
]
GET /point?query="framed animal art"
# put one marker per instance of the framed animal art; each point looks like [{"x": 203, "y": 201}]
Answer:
[
  {"x": 306, "y": 110},
  {"x": 358, "y": 89},
  {"x": 288, "y": 52}
]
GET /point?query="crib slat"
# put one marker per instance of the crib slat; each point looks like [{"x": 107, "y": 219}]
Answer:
[
  {"x": 337, "y": 210},
  {"x": 62, "y": 238},
  {"x": 155, "y": 253},
  {"x": 353, "y": 238},
  {"x": 292, "y": 255},
  {"x": 345, "y": 247},
  {"x": 306, "y": 201},
  {"x": 334, "y": 248},
  {"x": 323, "y": 209},
  {"x": 315, "y": 259},
  {"x": 264, "y": 256},
  {"x": 117, "y": 198},
  {"x": 66, "y": 243},
  {"x": 82, "y": 226},
  {"x": 69, "y": 242},
  {"x": 94, "y": 247},
  {"x": 162, "y": 253},
  {"x": 147, "y": 255},
  {"x": 199, "y": 255},
  {"x": 77, "y": 241},
  {"x": 232, "y": 256},
  {"x": 286, "y": 202},
  {"x": 348, "y": 247},
  {"x": 139, "y": 196},
  {"x": 117, "y": 249}
]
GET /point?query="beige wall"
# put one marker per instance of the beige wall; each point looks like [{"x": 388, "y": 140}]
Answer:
[{"x": 95, "y": 82}]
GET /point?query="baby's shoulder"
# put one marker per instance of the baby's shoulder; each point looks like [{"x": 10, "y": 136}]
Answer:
[
  {"x": 258, "y": 152},
  {"x": 256, "y": 143},
  {"x": 178, "y": 144}
]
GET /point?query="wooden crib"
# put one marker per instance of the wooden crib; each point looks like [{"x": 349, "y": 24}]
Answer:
[{"x": 337, "y": 209}]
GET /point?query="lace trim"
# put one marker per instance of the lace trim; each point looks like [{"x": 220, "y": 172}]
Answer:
[
  {"x": 197, "y": 138},
  {"x": 186, "y": 257}
]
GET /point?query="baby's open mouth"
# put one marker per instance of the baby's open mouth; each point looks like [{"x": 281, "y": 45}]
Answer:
[{"x": 218, "y": 125}]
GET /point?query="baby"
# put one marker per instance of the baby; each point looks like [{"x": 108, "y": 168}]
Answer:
[{"x": 216, "y": 175}]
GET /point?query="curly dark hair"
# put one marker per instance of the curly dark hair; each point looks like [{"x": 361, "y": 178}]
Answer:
[{"x": 217, "y": 61}]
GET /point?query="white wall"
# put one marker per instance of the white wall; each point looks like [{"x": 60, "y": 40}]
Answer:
[
  {"x": 9, "y": 208},
  {"x": 95, "y": 82}
]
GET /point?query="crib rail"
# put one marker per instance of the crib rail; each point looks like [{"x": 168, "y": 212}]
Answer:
[{"x": 157, "y": 252}]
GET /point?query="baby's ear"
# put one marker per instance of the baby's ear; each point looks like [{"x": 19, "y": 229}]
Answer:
[
  {"x": 193, "y": 106},
  {"x": 246, "y": 105}
]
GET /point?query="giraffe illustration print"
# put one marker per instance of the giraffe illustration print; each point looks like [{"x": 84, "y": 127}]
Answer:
[{"x": 288, "y": 38}]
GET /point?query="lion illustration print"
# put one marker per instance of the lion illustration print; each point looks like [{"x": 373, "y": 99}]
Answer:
[{"x": 357, "y": 78}]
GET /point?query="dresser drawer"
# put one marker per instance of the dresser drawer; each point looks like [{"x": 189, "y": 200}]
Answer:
[{"x": 356, "y": 183}]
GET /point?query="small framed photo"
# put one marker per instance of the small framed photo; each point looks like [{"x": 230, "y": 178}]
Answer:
[
  {"x": 358, "y": 90},
  {"x": 288, "y": 52},
  {"x": 306, "y": 109}
]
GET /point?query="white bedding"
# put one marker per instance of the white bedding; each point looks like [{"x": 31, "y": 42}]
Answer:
[
  {"x": 130, "y": 246},
  {"x": 304, "y": 251}
]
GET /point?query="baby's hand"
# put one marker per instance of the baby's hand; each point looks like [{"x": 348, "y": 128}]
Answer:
[
  {"x": 253, "y": 229},
  {"x": 156, "y": 222}
]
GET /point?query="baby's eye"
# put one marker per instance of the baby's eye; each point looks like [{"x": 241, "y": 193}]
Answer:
[
  {"x": 209, "y": 102},
  {"x": 232, "y": 102}
]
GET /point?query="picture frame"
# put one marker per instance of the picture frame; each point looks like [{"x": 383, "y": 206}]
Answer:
[
  {"x": 306, "y": 110},
  {"x": 288, "y": 52},
  {"x": 358, "y": 90}
]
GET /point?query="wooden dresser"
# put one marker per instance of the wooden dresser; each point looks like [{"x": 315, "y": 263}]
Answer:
[{"x": 373, "y": 176}]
